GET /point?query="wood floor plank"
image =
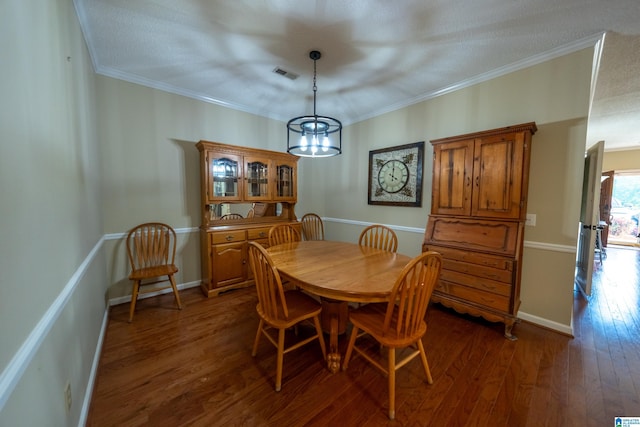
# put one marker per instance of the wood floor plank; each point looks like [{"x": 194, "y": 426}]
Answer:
[{"x": 193, "y": 367}]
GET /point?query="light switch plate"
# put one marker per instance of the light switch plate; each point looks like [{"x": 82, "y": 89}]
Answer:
[{"x": 531, "y": 220}]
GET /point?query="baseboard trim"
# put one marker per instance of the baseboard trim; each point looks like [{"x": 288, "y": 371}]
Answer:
[
  {"x": 127, "y": 298},
  {"x": 548, "y": 324},
  {"x": 86, "y": 404}
]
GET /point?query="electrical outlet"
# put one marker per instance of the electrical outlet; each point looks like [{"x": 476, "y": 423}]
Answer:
[
  {"x": 67, "y": 395},
  {"x": 531, "y": 220}
]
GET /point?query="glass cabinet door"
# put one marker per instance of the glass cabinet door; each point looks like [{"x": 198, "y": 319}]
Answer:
[
  {"x": 225, "y": 178},
  {"x": 257, "y": 179},
  {"x": 285, "y": 181}
]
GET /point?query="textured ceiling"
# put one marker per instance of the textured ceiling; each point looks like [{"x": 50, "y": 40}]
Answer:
[{"x": 377, "y": 55}]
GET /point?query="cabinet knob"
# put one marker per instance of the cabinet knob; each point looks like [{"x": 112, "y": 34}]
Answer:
[
  {"x": 229, "y": 238},
  {"x": 262, "y": 234}
]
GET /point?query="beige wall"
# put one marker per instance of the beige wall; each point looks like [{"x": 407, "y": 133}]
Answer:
[
  {"x": 555, "y": 95},
  {"x": 84, "y": 158},
  {"x": 150, "y": 166},
  {"x": 52, "y": 281},
  {"x": 621, "y": 160}
]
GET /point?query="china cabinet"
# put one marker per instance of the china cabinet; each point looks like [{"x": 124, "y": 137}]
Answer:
[
  {"x": 258, "y": 189},
  {"x": 478, "y": 210}
]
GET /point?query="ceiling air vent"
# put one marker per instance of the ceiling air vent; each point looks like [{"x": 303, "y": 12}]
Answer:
[{"x": 285, "y": 73}]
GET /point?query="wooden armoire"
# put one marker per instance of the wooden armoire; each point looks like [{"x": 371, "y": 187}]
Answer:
[{"x": 478, "y": 213}]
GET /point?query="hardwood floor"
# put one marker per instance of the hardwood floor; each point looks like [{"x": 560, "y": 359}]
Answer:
[{"x": 194, "y": 367}]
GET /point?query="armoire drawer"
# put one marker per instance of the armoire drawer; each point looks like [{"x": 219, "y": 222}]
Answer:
[
  {"x": 495, "y": 274},
  {"x": 475, "y": 282},
  {"x": 484, "y": 259},
  {"x": 487, "y": 299}
]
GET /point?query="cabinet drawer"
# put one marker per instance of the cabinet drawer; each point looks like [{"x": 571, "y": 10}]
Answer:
[
  {"x": 258, "y": 233},
  {"x": 482, "y": 259},
  {"x": 497, "y": 237},
  {"x": 228, "y": 237},
  {"x": 490, "y": 273},
  {"x": 475, "y": 282},
  {"x": 487, "y": 299}
]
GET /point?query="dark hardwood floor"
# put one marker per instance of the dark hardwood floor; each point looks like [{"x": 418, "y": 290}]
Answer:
[{"x": 194, "y": 367}]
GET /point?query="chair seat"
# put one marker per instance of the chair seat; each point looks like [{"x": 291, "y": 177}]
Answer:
[
  {"x": 370, "y": 319},
  {"x": 300, "y": 306},
  {"x": 156, "y": 271}
]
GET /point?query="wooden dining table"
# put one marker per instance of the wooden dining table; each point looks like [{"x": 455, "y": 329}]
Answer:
[{"x": 339, "y": 272}]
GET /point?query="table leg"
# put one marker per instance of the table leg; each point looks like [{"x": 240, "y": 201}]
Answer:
[
  {"x": 334, "y": 321},
  {"x": 333, "y": 359}
]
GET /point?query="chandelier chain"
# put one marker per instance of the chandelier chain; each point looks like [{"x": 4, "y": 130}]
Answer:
[{"x": 315, "y": 87}]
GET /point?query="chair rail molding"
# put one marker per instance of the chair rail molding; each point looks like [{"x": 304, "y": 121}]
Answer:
[{"x": 20, "y": 361}]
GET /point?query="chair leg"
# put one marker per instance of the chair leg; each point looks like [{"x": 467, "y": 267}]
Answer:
[
  {"x": 134, "y": 299},
  {"x": 392, "y": 383},
  {"x": 280, "y": 359},
  {"x": 257, "y": 340},
  {"x": 175, "y": 291},
  {"x": 316, "y": 321},
  {"x": 423, "y": 356},
  {"x": 352, "y": 342}
]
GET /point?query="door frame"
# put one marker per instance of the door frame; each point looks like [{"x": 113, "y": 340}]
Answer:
[{"x": 589, "y": 218}]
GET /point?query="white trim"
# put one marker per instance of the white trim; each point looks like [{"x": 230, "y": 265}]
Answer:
[
  {"x": 566, "y": 49},
  {"x": 593, "y": 40},
  {"x": 565, "y": 329},
  {"x": 127, "y": 298},
  {"x": 527, "y": 244},
  {"x": 366, "y": 224},
  {"x": 550, "y": 247},
  {"x": 84, "y": 412},
  {"x": 118, "y": 236},
  {"x": 597, "y": 56},
  {"x": 20, "y": 361}
]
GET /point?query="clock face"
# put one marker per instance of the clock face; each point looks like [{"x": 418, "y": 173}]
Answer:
[{"x": 395, "y": 175}]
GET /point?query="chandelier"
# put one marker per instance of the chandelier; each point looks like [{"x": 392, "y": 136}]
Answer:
[{"x": 314, "y": 136}]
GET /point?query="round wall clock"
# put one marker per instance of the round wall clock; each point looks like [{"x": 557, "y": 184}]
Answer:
[{"x": 395, "y": 175}]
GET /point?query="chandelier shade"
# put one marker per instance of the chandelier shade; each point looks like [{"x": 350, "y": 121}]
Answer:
[{"x": 314, "y": 135}]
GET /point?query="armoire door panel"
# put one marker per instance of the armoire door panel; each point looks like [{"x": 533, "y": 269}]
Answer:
[
  {"x": 497, "y": 176},
  {"x": 453, "y": 165}
]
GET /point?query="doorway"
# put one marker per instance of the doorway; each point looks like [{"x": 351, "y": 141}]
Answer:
[{"x": 624, "y": 213}]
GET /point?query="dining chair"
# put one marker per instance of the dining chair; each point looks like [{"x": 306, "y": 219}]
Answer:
[
  {"x": 380, "y": 237},
  {"x": 283, "y": 233},
  {"x": 280, "y": 309},
  {"x": 402, "y": 324},
  {"x": 312, "y": 227},
  {"x": 151, "y": 248},
  {"x": 231, "y": 216}
]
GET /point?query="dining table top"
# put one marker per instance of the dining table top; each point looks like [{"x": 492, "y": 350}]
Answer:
[{"x": 339, "y": 270}]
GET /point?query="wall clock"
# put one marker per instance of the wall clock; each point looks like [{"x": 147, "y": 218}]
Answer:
[{"x": 395, "y": 175}]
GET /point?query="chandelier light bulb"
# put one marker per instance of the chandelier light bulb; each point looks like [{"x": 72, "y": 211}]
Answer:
[
  {"x": 325, "y": 143},
  {"x": 314, "y": 129}
]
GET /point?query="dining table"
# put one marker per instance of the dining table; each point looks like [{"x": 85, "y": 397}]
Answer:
[{"x": 338, "y": 273}]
